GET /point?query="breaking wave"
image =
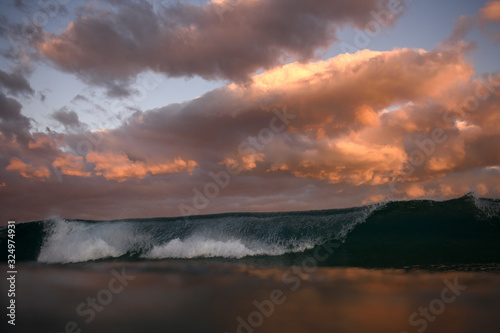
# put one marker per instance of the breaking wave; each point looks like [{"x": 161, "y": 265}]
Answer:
[{"x": 393, "y": 234}]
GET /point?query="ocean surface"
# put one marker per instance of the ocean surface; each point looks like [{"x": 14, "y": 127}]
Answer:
[{"x": 408, "y": 266}]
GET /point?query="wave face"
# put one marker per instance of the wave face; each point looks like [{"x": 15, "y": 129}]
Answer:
[
  {"x": 225, "y": 236},
  {"x": 396, "y": 234}
]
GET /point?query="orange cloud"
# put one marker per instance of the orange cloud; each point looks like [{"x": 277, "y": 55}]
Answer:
[
  {"x": 28, "y": 171},
  {"x": 440, "y": 164},
  {"x": 423, "y": 73},
  {"x": 415, "y": 191},
  {"x": 491, "y": 12},
  {"x": 344, "y": 133},
  {"x": 40, "y": 142},
  {"x": 71, "y": 165},
  {"x": 278, "y": 167},
  {"x": 365, "y": 115},
  {"x": 447, "y": 190},
  {"x": 374, "y": 198},
  {"x": 247, "y": 161},
  {"x": 250, "y": 161},
  {"x": 349, "y": 160},
  {"x": 352, "y": 90},
  {"x": 119, "y": 167},
  {"x": 482, "y": 189}
]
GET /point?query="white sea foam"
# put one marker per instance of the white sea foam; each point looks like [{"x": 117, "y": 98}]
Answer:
[
  {"x": 202, "y": 247},
  {"x": 69, "y": 242},
  {"x": 489, "y": 208}
]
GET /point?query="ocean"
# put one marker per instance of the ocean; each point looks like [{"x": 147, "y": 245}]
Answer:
[{"x": 401, "y": 266}]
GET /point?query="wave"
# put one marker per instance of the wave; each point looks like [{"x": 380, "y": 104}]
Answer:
[
  {"x": 225, "y": 235},
  {"x": 393, "y": 234},
  {"x": 234, "y": 235}
]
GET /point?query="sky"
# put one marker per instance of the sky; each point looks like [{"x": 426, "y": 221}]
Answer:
[{"x": 129, "y": 109}]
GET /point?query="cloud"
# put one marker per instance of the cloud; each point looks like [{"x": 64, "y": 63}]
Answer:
[
  {"x": 341, "y": 134},
  {"x": 69, "y": 119},
  {"x": 119, "y": 167},
  {"x": 357, "y": 128},
  {"x": 491, "y": 12},
  {"x": 15, "y": 83},
  {"x": 13, "y": 125},
  {"x": 22, "y": 38},
  {"x": 489, "y": 16},
  {"x": 28, "y": 171},
  {"x": 79, "y": 98},
  {"x": 463, "y": 26},
  {"x": 71, "y": 165},
  {"x": 41, "y": 141},
  {"x": 19, "y": 4},
  {"x": 111, "y": 46}
]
